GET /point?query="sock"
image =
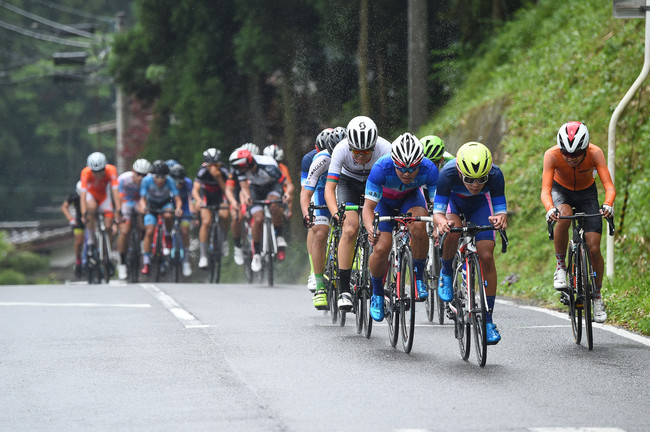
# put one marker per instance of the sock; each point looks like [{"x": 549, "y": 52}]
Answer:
[
  {"x": 344, "y": 275},
  {"x": 490, "y": 307},
  {"x": 90, "y": 238},
  {"x": 418, "y": 265},
  {"x": 377, "y": 285},
  {"x": 257, "y": 246},
  {"x": 122, "y": 258},
  {"x": 146, "y": 258},
  {"x": 446, "y": 266},
  {"x": 560, "y": 261},
  {"x": 203, "y": 248},
  {"x": 319, "y": 282}
]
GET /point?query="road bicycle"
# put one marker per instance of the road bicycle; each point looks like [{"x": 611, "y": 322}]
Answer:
[
  {"x": 247, "y": 246},
  {"x": 269, "y": 241},
  {"x": 331, "y": 273},
  {"x": 100, "y": 266},
  {"x": 177, "y": 252},
  {"x": 432, "y": 277},
  {"x": 360, "y": 278},
  {"x": 400, "y": 290},
  {"x": 468, "y": 308},
  {"x": 159, "y": 245},
  {"x": 580, "y": 275},
  {"x": 134, "y": 250},
  {"x": 215, "y": 243}
]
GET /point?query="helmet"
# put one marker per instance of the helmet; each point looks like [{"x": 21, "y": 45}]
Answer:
[
  {"x": 141, "y": 166},
  {"x": 96, "y": 161},
  {"x": 322, "y": 138},
  {"x": 212, "y": 155},
  {"x": 362, "y": 133},
  {"x": 573, "y": 137},
  {"x": 338, "y": 134},
  {"x": 474, "y": 159},
  {"x": 241, "y": 158},
  {"x": 407, "y": 151},
  {"x": 274, "y": 152},
  {"x": 171, "y": 162},
  {"x": 159, "y": 168},
  {"x": 254, "y": 149},
  {"x": 177, "y": 172},
  {"x": 434, "y": 147}
]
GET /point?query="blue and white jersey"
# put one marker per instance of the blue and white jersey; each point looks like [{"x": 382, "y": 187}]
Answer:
[
  {"x": 450, "y": 184},
  {"x": 383, "y": 181},
  {"x": 306, "y": 163},
  {"x": 343, "y": 163},
  {"x": 317, "y": 176},
  {"x": 158, "y": 196}
]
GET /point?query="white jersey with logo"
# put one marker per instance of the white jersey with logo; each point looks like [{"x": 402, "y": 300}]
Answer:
[{"x": 343, "y": 164}]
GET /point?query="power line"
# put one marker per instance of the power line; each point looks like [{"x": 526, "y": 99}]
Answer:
[
  {"x": 47, "y": 22},
  {"x": 77, "y": 12},
  {"x": 43, "y": 37}
]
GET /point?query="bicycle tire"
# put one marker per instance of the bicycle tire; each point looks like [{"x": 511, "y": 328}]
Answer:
[
  {"x": 587, "y": 290},
  {"x": 133, "y": 254},
  {"x": 107, "y": 265},
  {"x": 407, "y": 299},
  {"x": 247, "y": 251},
  {"x": 575, "y": 312},
  {"x": 462, "y": 328},
  {"x": 157, "y": 253},
  {"x": 392, "y": 313},
  {"x": 91, "y": 264},
  {"x": 269, "y": 254},
  {"x": 176, "y": 257},
  {"x": 357, "y": 284},
  {"x": 331, "y": 277},
  {"x": 478, "y": 310},
  {"x": 214, "y": 252}
]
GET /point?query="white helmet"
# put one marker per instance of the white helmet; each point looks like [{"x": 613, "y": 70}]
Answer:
[
  {"x": 573, "y": 137},
  {"x": 96, "y": 161},
  {"x": 362, "y": 133},
  {"x": 254, "y": 149},
  {"x": 274, "y": 152},
  {"x": 141, "y": 166},
  {"x": 407, "y": 151}
]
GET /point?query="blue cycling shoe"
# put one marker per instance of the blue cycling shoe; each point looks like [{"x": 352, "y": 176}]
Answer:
[
  {"x": 492, "y": 333},
  {"x": 423, "y": 293},
  {"x": 445, "y": 289},
  {"x": 377, "y": 308}
]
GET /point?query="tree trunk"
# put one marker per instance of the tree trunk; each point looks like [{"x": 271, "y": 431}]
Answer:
[
  {"x": 417, "y": 64},
  {"x": 364, "y": 91},
  {"x": 256, "y": 105},
  {"x": 292, "y": 152}
]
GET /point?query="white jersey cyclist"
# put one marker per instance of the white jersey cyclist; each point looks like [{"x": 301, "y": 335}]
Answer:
[{"x": 343, "y": 163}]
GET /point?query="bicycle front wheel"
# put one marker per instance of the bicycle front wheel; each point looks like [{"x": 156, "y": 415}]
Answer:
[
  {"x": 133, "y": 255},
  {"x": 269, "y": 254},
  {"x": 575, "y": 304},
  {"x": 461, "y": 303},
  {"x": 407, "y": 299},
  {"x": 247, "y": 251},
  {"x": 478, "y": 309},
  {"x": 391, "y": 309},
  {"x": 331, "y": 277},
  {"x": 177, "y": 255},
  {"x": 157, "y": 256},
  {"x": 588, "y": 285},
  {"x": 214, "y": 261}
]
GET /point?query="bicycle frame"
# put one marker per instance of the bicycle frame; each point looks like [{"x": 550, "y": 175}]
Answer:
[{"x": 269, "y": 241}]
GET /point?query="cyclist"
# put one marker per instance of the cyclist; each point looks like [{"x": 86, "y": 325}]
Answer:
[
  {"x": 321, "y": 142},
  {"x": 472, "y": 186},
  {"x": 568, "y": 181},
  {"x": 434, "y": 149},
  {"x": 260, "y": 178},
  {"x": 157, "y": 191},
  {"x": 352, "y": 160},
  {"x": 253, "y": 148},
  {"x": 76, "y": 224},
  {"x": 184, "y": 186},
  {"x": 209, "y": 190},
  {"x": 129, "y": 190},
  {"x": 314, "y": 189},
  {"x": 95, "y": 180},
  {"x": 276, "y": 153},
  {"x": 393, "y": 187}
]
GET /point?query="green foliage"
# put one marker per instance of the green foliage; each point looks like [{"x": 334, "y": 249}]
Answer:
[
  {"x": 550, "y": 73},
  {"x": 16, "y": 266}
]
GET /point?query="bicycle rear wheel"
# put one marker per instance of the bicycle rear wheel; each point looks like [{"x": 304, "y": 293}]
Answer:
[
  {"x": 407, "y": 299},
  {"x": 107, "y": 265},
  {"x": 462, "y": 325},
  {"x": 176, "y": 256},
  {"x": 392, "y": 310},
  {"x": 92, "y": 265},
  {"x": 156, "y": 259},
  {"x": 269, "y": 254},
  {"x": 247, "y": 252},
  {"x": 331, "y": 277},
  {"x": 214, "y": 260},
  {"x": 133, "y": 255},
  {"x": 587, "y": 290},
  {"x": 478, "y": 310},
  {"x": 575, "y": 304}
]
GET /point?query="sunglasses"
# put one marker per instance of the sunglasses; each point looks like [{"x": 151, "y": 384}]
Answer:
[
  {"x": 140, "y": 174},
  {"x": 362, "y": 152},
  {"x": 159, "y": 176},
  {"x": 407, "y": 170},
  {"x": 577, "y": 154},
  {"x": 470, "y": 180}
]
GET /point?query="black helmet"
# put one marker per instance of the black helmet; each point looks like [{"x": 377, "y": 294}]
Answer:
[
  {"x": 177, "y": 171},
  {"x": 211, "y": 155},
  {"x": 159, "y": 168}
]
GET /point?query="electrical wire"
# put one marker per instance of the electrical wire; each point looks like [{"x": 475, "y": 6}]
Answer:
[
  {"x": 47, "y": 22},
  {"x": 77, "y": 12},
  {"x": 44, "y": 37}
]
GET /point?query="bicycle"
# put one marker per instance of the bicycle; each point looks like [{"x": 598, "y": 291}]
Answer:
[
  {"x": 215, "y": 243},
  {"x": 177, "y": 252},
  {"x": 361, "y": 283},
  {"x": 269, "y": 242},
  {"x": 400, "y": 292},
  {"x": 158, "y": 253},
  {"x": 468, "y": 307},
  {"x": 134, "y": 251},
  {"x": 99, "y": 261},
  {"x": 247, "y": 245},
  {"x": 432, "y": 277},
  {"x": 581, "y": 277}
]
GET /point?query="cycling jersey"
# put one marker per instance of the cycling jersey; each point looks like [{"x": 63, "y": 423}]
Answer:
[
  {"x": 128, "y": 188},
  {"x": 575, "y": 178},
  {"x": 210, "y": 185},
  {"x": 316, "y": 179},
  {"x": 75, "y": 201},
  {"x": 306, "y": 163},
  {"x": 185, "y": 193},
  {"x": 383, "y": 181},
  {"x": 97, "y": 186},
  {"x": 156, "y": 196},
  {"x": 285, "y": 171},
  {"x": 344, "y": 164}
]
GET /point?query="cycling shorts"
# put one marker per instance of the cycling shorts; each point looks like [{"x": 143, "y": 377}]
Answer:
[
  {"x": 391, "y": 207},
  {"x": 270, "y": 192},
  {"x": 213, "y": 199},
  {"x": 350, "y": 191},
  {"x": 151, "y": 219},
  {"x": 321, "y": 216},
  {"x": 477, "y": 210},
  {"x": 129, "y": 208},
  {"x": 584, "y": 200},
  {"x": 105, "y": 206}
]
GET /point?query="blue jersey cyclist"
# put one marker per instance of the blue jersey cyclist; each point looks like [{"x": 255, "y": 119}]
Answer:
[
  {"x": 157, "y": 191},
  {"x": 394, "y": 186},
  {"x": 471, "y": 186},
  {"x": 184, "y": 185}
]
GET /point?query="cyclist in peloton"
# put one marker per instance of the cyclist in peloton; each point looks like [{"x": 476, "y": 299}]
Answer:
[
  {"x": 472, "y": 186},
  {"x": 157, "y": 192},
  {"x": 260, "y": 178},
  {"x": 393, "y": 187},
  {"x": 184, "y": 186},
  {"x": 351, "y": 162},
  {"x": 95, "y": 178},
  {"x": 321, "y": 142},
  {"x": 314, "y": 189},
  {"x": 209, "y": 190},
  {"x": 276, "y": 153},
  {"x": 129, "y": 190},
  {"x": 568, "y": 181},
  {"x": 434, "y": 149},
  {"x": 76, "y": 225}
]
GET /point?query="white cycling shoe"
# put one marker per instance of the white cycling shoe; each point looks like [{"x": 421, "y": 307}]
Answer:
[
  {"x": 256, "y": 263},
  {"x": 559, "y": 279}
]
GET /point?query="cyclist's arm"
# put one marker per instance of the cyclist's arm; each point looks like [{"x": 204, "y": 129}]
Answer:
[
  {"x": 368, "y": 214},
  {"x": 330, "y": 196},
  {"x": 547, "y": 180},
  {"x": 65, "y": 208},
  {"x": 230, "y": 193},
  {"x": 196, "y": 194},
  {"x": 245, "y": 192},
  {"x": 117, "y": 198},
  {"x": 605, "y": 177},
  {"x": 305, "y": 199}
]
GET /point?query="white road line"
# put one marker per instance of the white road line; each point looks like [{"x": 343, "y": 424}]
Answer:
[
  {"x": 186, "y": 318},
  {"x": 71, "y": 304},
  {"x": 613, "y": 329},
  {"x": 575, "y": 429}
]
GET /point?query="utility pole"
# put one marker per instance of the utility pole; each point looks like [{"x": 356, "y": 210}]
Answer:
[
  {"x": 119, "y": 111},
  {"x": 417, "y": 64}
]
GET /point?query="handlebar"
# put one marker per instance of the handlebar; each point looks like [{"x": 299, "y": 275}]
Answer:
[
  {"x": 471, "y": 230},
  {"x": 580, "y": 216},
  {"x": 402, "y": 219}
]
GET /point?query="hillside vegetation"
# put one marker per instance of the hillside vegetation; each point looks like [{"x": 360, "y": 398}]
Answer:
[{"x": 557, "y": 61}]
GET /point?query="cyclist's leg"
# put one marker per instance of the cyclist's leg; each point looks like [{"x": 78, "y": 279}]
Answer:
[
  {"x": 149, "y": 225},
  {"x": 378, "y": 265},
  {"x": 445, "y": 289},
  {"x": 320, "y": 235},
  {"x": 349, "y": 191},
  {"x": 223, "y": 222},
  {"x": 204, "y": 232},
  {"x": 91, "y": 208},
  {"x": 563, "y": 200},
  {"x": 415, "y": 204}
]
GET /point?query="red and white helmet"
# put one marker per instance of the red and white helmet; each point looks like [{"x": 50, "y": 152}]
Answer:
[
  {"x": 241, "y": 158},
  {"x": 407, "y": 151},
  {"x": 573, "y": 137}
]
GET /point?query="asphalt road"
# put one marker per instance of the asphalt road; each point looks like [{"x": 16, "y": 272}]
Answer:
[{"x": 197, "y": 357}]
